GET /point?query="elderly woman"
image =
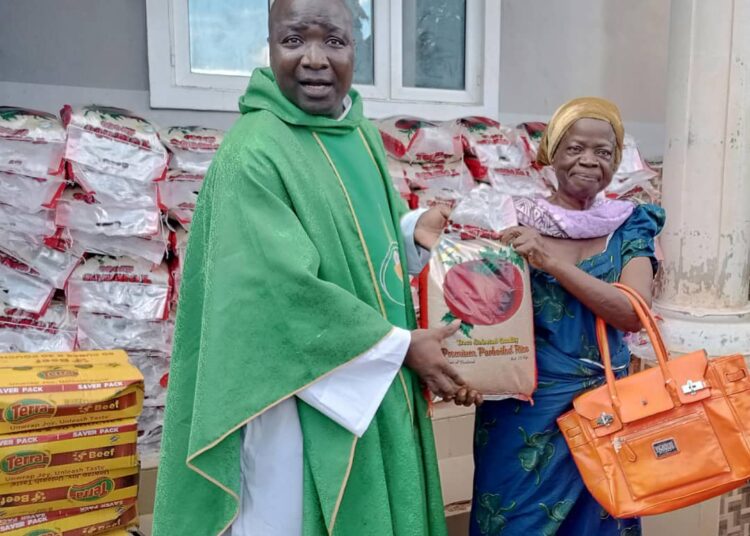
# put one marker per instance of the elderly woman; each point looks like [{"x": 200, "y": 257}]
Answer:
[{"x": 577, "y": 243}]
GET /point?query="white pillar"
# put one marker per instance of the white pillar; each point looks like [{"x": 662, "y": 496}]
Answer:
[{"x": 703, "y": 291}]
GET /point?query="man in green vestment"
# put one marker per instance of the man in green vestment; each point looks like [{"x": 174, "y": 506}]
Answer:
[{"x": 295, "y": 400}]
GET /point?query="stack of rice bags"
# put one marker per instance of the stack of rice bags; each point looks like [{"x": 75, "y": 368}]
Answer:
[
  {"x": 31, "y": 182},
  {"x": 501, "y": 156},
  {"x": 425, "y": 160},
  {"x": 121, "y": 292}
]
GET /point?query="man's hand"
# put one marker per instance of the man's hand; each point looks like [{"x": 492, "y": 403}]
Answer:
[
  {"x": 430, "y": 226},
  {"x": 425, "y": 358}
]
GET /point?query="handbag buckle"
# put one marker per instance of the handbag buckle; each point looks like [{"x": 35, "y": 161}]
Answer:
[
  {"x": 605, "y": 419},
  {"x": 691, "y": 387}
]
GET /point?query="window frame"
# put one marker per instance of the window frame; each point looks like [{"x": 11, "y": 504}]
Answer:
[{"x": 173, "y": 85}]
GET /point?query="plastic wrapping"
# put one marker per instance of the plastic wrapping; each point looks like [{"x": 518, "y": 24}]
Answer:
[
  {"x": 50, "y": 264},
  {"x": 179, "y": 194},
  {"x": 527, "y": 182},
  {"x": 31, "y": 143},
  {"x": 37, "y": 224},
  {"x": 415, "y": 140},
  {"x": 21, "y": 331},
  {"x": 83, "y": 212},
  {"x": 123, "y": 286},
  {"x": 114, "y": 190},
  {"x": 29, "y": 193},
  {"x": 23, "y": 290},
  {"x": 490, "y": 146},
  {"x": 150, "y": 424},
  {"x": 155, "y": 370},
  {"x": 192, "y": 147},
  {"x": 452, "y": 176},
  {"x": 152, "y": 249},
  {"x": 634, "y": 177},
  {"x": 473, "y": 278},
  {"x": 114, "y": 141},
  {"x": 105, "y": 332}
]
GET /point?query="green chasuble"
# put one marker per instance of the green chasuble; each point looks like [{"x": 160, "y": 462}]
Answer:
[{"x": 293, "y": 270}]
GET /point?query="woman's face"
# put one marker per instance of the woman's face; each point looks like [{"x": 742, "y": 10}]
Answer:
[{"x": 584, "y": 159}]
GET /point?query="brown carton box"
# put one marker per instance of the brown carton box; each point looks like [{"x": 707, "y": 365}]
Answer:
[{"x": 40, "y": 391}]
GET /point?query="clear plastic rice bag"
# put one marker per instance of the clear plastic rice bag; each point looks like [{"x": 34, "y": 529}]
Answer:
[
  {"x": 114, "y": 190},
  {"x": 192, "y": 147},
  {"x": 32, "y": 143},
  {"x": 490, "y": 146},
  {"x": 49, "y": 264},
  {"x": 84, "y": 212},
  {"x": 451, "y": 175},
  {"x": 29, "y": 193},
  {"x": 20, "y": 288},
  {"x": 38, "y": 224},
  {"x": 21, "y": 331},
  {"x": 151, "y": 248},
  {"x": 416, "y": 140},
  {"x": 120, "y": 286},
  {"x": 106, "y": 332},
  {"x": 179, "y": 194},
  {"x": 114, "y": 141},
  {"x": 155, "y": 370}
]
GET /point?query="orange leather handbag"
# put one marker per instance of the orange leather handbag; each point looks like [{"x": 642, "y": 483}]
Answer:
[{"x": 664, "y": 438}]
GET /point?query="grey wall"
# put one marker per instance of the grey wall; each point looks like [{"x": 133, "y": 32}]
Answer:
[
  {"x": 90, "y": 43},
  {"x": 74, "y": 51}
]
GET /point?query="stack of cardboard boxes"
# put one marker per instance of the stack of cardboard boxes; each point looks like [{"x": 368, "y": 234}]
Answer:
[{"x": 68, "y": 432}]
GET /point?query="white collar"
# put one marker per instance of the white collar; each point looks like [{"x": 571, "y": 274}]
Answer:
[{"x": 347, "y": 108}]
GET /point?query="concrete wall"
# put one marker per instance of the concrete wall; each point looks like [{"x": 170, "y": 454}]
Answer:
[{"x": 58, "y": 51}]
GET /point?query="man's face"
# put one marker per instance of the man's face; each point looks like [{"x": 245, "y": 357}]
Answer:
[{"x": 312, "y": 53}]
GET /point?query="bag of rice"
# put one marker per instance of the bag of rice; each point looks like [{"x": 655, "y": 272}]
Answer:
[
  {"x": 150, "y": 424},
  {"x": 31, "y": 143},
  {"x": 114, "y": 190},
  {"x": 38, "y": 224},
  {"x": 49, "y": 264},
  {"x": 114, "y": 141},
  {"x": 84, "y": 212},
  {"x": 411, "y": 139},
  {"x": 21, "y": 287},
  {"x": 472, "y": 277},
  {"x": 105, "y": 332},
  {"x": 127, "y": 287},
  {"x": 21, "y": 331},
  {"x": 531, "y": 133},
  {"x": 634, "y": 177},
  {"x": 491, "y": 147},
  {"x": 151, "y": 248},
  {"x": 192, "y": 147},
  {"x": 29, "y": 193},
  {"x": 449, "y": 175},
  {"x": 179, "y": 194}
]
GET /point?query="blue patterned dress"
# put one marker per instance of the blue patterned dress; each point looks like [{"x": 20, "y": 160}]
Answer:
[{"x": 525, "y": 481}]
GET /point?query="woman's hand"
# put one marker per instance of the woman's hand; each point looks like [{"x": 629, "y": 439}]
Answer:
[
  {"x": 529, "y": 244},
  {"x": 430, "y": 226}
]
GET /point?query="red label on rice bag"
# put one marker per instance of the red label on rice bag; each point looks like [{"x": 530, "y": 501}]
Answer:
[
  {"x": 22, "y": 331},
  {"x": 31, "y": 142},
  {"x": 411, "y": 139},
  {"x": 474, "y": 278}
]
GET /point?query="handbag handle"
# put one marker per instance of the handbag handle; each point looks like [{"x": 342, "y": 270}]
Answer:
[{"x": 649, "y": 323}]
